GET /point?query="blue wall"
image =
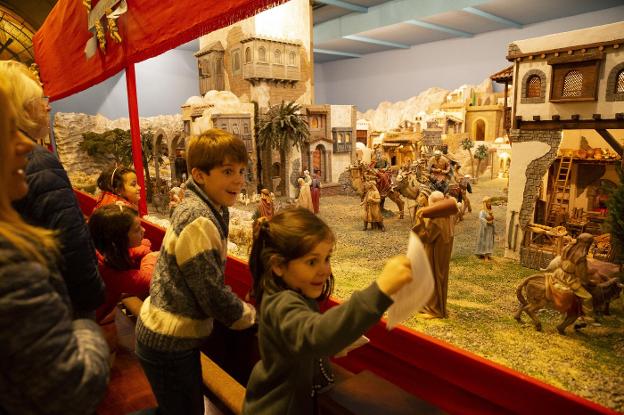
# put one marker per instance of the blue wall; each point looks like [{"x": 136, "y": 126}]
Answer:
[
  {"x": 163, "y": 84},
  {"x": 166, "y": 81},
  {"x": 400, "y": 74}
]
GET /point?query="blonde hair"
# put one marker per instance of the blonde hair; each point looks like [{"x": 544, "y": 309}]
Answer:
[
  {"x": 12, "y": 227},
  {"x": 213, "y": 148},
  {"x": 23, "y": 94}
]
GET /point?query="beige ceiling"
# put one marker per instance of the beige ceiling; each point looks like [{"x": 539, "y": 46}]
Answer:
[{"x": 19, "y": 20}]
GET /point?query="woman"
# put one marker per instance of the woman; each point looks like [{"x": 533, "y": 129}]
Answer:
[
  {"x": 305, "y": 197},
  {"x": 50, "y": 202},
  {"x": 49, "y": 364},
  {"x": 485, "y": 242}
]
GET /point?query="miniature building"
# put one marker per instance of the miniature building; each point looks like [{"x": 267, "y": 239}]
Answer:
[
  {"x": 332, "y": 140},
  {"x": 210, "y": 66},
  {"x": 221, "y": 109},
  {"x": 432, "y": 135},
  {"x": 265, "y": 63},
  {"x": 237, "y": 124},
  {"x": 266, "y": 59},
  {"x": 567, "y": 85},
  {"x": 362, "y": 129}
]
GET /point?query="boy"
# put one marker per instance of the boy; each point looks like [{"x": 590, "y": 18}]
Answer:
[{"x": 187, "y": 289}]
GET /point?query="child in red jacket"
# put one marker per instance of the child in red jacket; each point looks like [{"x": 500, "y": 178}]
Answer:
[{"x": 125, "y": 259}]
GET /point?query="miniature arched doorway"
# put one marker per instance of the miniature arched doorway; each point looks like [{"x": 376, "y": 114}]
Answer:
[
  {"x": 319, "y": 161},
  {"x": 417, "y": 127},
  {"x": 177, "y": 162},
  {"x": 276, "y": 169},
  {"x": 159, "y": 152},
  {"x": 479, "y": 130}
]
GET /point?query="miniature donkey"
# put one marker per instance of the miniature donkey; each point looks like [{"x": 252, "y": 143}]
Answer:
[{"x": 534, "y": 289}]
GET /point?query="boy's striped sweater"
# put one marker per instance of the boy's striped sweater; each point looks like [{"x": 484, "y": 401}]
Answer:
[{"x": 188, "y": 289}]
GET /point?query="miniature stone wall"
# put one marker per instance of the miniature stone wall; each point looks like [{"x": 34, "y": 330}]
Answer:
[
  {"x": 534, "y": 151},
  {"x": 82, "y": 169}
]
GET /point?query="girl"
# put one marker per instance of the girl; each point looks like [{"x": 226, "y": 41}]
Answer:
[
  {"x": 118, "y": 184},
  {"x": 485, "y": 243},
  {"x": 290, "y": 264},
  {"x": 125, "y": 259}
]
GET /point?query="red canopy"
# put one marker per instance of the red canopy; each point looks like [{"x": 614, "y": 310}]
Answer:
[{"x": 148, "y": 28}]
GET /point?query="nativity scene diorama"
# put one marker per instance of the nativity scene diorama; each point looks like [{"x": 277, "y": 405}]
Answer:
[{"x": 514, "y": 185}]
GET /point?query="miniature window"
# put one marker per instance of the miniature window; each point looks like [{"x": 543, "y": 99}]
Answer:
[
  {"x": 572, "y": 84},
  {"x": 277, "y": 56},
  {"x": 236, "y": 64},
  {"x": 262, "y": 54},
  {"x": 314, "y": 122},
  {"x": 248, "y": 55},
  {"x": 292, "y": 58},
  {"x": 615, "y": 83},
  {"x": 534, "y": 87},
  {"x": 235, "y": 129}
]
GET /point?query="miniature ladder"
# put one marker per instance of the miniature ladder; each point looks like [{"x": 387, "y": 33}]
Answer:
[{"x": 560, "y": 197}]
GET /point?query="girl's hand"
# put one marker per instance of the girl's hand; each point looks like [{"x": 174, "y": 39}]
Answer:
[{"x": 396, "y": 273}]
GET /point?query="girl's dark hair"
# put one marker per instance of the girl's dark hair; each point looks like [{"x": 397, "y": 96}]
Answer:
[
  {"x": 289, "y": 235},
  {"x": 109, "y": 226},
  {"x": 111, "y": 179}
]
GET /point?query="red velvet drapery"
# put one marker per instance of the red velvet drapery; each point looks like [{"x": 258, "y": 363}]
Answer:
[{"x": 149, "y": 28}]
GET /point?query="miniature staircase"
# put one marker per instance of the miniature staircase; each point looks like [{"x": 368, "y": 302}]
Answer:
[{"x": 560, "y": 197}]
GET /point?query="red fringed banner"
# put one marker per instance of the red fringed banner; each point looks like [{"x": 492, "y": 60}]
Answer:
[{"x": 147, "y": 29}]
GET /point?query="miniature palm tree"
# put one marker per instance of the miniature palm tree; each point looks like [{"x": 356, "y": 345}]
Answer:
[
  {"x": 281, "y": 128},
  {"x": 467, "y": 144},
  {"x": 615, "y": 206},
  {"x": 481, "y": 154}
]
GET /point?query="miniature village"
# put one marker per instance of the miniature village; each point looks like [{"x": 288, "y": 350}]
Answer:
[{"x": 531, "y": 157}]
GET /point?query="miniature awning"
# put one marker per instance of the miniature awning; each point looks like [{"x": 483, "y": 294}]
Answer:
[
  {"x": 504, "y": 75},
  {"x": 147, "y": 29}
]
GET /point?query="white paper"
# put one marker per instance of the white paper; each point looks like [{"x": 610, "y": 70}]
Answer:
[{"x": 415, "y": 295}]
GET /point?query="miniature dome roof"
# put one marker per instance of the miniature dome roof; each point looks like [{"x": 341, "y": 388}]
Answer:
[{"x": 194, "y": 100}]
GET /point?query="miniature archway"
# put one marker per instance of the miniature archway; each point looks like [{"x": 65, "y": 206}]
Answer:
[
  {"x": 276, "y": 169},
  {"x": 479, "y": 130},
  {"x": 175, "y": 145},
  {"x": 160, "y": 148},
  {"x": 319, "y": 161}
]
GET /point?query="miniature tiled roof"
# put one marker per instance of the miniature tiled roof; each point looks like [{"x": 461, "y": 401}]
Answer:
[
  {"x": 272, "y": 39},
  {"x": 502, "y": 76},
  {"x": 213, "y": 47}
]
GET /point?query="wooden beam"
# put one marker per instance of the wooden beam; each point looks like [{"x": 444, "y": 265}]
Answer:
[
  {"x": 569, "y": 124},
  {"x": 611, "y": 141}
]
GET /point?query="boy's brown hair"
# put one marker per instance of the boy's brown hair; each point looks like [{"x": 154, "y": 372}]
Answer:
[{"x": 214, "y": 148}]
